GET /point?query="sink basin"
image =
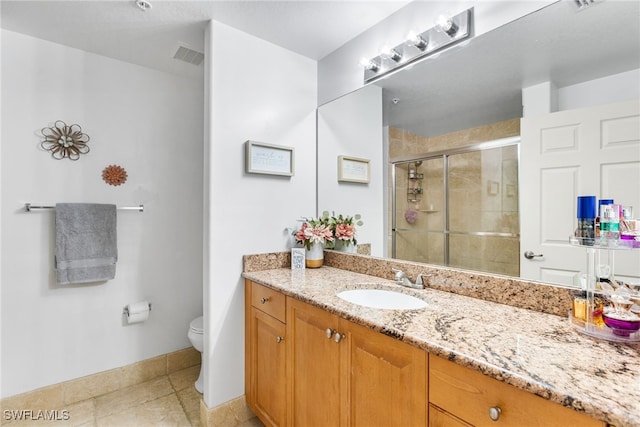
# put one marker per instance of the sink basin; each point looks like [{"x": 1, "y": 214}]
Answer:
[{"x": 380, "y": 298}]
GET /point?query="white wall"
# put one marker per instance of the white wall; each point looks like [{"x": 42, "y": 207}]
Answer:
[
  {"x": 255, "y": 91},
  {"x": 606, "y": 90},
  {"x": 340, "y": 72},
  {"x": 546, "y": 98},
  {"x": 352, "y": 126},
  {"x": 151, "y": 124}
]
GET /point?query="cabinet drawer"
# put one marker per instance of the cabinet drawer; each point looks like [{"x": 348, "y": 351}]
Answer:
[
  {"x": 469, "y": 395},
  {"x": 269, "y": 301}
]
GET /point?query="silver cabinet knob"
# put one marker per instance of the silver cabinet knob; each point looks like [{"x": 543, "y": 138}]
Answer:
[
  {"x": 531, "y": 255},
  {"x": 494, "y": 413},
  {"x": 264, "y": 300},
  {"x": 279, "y": 339},
  {"x": 338, "y": 337},
  {"x": 329, "y": 333}
]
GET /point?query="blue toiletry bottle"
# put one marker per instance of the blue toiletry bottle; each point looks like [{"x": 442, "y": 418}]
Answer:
[{"x": 586, "y": 215}]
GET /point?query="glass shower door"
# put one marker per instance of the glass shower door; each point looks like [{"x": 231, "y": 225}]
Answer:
[
  {"x": 483, "y": 222},
  {"x": 459, "y": 209},
  {"x": 419, "y": 211}
]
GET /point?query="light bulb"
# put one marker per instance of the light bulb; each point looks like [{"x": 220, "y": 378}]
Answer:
[
  {"x": 417, "y": 40},
  {"x": 369, "y": 65},
  {"x": 446, "y": 25},
  {"x": 391, "y": 53}
]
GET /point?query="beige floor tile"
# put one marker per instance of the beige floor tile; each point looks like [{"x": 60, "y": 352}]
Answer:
[
  {"x": 143, "y": 371},
  {"x": 92, "y": 386},
  {"x": 44, "y": 398},
  {"x": 184, "y": 378},
  {"x": 223, "y": 416},
  {"x": 252, "y": 422},
  {"x": 163, "y": 412},
  {"x": 182, "y": 359},
  {"x": 136, "y": 395},
  {"x": 190, "y": 400},
  {"x": 78, "y": 414},
  {"x": 241, "y": 409}
]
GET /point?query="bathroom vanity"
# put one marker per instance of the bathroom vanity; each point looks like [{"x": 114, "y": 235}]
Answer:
[{"x": 313, "y": 358}]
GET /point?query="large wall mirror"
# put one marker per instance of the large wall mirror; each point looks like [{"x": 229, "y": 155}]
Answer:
[{"x": 443, "y": 137}]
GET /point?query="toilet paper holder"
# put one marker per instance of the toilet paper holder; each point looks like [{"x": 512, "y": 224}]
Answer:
[{"x": 125, "y": 310}]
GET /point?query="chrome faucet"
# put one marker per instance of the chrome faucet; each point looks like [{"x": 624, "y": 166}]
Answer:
[{"x": 403, "y": 280}]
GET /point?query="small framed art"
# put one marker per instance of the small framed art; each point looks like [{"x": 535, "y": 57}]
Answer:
[
  {"x": 269, "y": 159},
  {"x": 353, "y": 169},
  {"x": 297, "y": 258}
]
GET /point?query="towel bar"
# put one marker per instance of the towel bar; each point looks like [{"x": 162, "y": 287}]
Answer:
[{"x": 30, "y": 207}]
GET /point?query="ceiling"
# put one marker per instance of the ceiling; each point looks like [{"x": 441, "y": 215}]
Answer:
[
  {"x": 119, "y": 29},
  {"x": 481, "y": 81}
]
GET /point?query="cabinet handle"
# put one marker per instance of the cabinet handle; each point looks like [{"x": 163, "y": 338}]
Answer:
[
  {"x": 330, "y": 333},
  {"x": 338, "y": 337},
  {"x": 494, "y": 413},
  {"x": 264, "y": 300},
  {"x": 279, "y": 339}
]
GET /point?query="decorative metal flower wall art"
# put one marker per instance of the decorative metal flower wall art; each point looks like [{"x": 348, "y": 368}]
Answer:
[
  {"x": 63, "y": 141},
  {"x": 114, "y": 175}
]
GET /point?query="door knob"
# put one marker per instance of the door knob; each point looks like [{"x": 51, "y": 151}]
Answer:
[
  {"x": 329, "y": 332},
  {"x": 531, "y": 255},
  {"x": 338, "y": 337}
]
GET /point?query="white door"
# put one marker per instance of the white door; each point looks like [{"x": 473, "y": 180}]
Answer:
[{"x": 591, "y": 151}]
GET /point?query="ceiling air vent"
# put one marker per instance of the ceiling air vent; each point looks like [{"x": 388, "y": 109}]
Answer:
[{"x": 186, "y": 54}]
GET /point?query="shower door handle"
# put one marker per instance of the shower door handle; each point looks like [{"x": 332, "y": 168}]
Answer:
[{"x": 531, "y": 255}]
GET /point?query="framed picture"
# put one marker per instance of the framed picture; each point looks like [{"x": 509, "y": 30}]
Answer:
[
  {"x": 353, "y": 169},
  {"x": 268, "y": 159}
]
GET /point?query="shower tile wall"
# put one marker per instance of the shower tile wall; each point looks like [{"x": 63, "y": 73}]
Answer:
[{"x": 483, "y": 209}]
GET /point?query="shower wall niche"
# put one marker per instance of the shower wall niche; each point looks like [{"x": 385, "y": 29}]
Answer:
[{"x": 467, "y": 212}]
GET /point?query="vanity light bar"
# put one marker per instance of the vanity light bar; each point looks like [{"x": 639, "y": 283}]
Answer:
[{"x": 447, "y": 32}]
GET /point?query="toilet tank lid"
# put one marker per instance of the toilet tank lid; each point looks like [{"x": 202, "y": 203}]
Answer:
[{"x": 197, "y": 325}]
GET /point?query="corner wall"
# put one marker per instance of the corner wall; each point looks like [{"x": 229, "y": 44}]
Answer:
[
  {"x": 146, "y": 121},
  {"x": 261, "y": 92},
  {"x": 352, "y": 126}
]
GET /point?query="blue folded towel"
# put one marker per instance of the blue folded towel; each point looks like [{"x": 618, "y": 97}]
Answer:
[{"x": 86, "y": 244}]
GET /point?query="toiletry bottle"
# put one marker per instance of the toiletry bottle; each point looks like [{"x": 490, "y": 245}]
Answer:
[
  {"x": 586, "y": 220},
  {"x": 601, "y": 202},
  {"x": 609, "y": 224},
  {"x": 412, "y": 170}
]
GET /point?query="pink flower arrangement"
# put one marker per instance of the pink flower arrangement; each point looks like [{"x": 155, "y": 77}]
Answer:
[
  {"x": 327, "y": 230},
  {"x": 314, "y": 230},
  {"x": 345, "y": 231},
  {"x": 344, "y": 227}
]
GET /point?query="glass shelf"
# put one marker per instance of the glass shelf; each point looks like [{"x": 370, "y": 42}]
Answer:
[
  {"x": 591, "y": 306},
  {"x": 596, "y": 243}
]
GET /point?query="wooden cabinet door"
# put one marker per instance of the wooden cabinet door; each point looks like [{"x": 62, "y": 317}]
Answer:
[
  {"x": 314, "y": 396},
  {"x": 267, "y": 372},
  {"x": 469, "y": 395},
  {"x": 386, "y": 381},
  {"x": 440, "y": 418}
]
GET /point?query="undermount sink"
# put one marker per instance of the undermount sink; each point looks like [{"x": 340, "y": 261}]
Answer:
[{"x": 380, "y": 298}]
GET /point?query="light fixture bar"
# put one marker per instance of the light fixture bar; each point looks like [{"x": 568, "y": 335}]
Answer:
[{"x": 421, "y": 45}]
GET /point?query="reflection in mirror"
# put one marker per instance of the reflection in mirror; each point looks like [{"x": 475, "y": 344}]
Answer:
[
  {"x": 468, "y": 95},
  {"x": 459, "y": 208}
]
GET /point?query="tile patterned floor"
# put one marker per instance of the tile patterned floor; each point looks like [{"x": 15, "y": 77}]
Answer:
[
  {"x": 165, "y": 401},
  {"x": 168, "y": 400}
]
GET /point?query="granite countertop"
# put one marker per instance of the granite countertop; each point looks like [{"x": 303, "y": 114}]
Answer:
[{"x": 537, "y": 352}]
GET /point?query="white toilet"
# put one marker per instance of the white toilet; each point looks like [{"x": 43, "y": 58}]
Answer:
[{"x": 196, "y": 329}]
